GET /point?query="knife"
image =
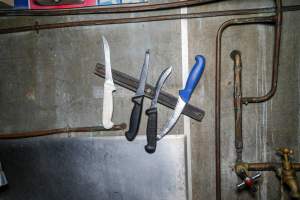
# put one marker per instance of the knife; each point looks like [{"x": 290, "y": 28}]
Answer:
[
  {"x": 138, "y": 98},
  {"x": 184, "y": 95},
  {"x": 109, "y": 88},
  {"x": 164, "y": 98},
  {"x": 152, "y": 112}
]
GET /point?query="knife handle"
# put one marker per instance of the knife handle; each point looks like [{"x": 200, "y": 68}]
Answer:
[
  {"x": 193, "y": 78},
  {"x": 135, "y": 118},
  {"x": 151, "y": 130},
  {"x": 107, "y": 112}
]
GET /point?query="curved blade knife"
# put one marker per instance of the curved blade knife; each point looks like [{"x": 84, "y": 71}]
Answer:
[
  {"x": 138, "y": 98},
  {"x": 152, "y": 112},
  {"x": 185, "y": 94},
  {"x": 109, "y": 88}
]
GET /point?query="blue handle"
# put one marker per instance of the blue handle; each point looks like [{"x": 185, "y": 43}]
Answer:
[{"x": 193, "y": 78}]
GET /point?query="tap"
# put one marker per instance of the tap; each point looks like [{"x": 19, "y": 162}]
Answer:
[
  {"x": 248, "y": 181},
  {"x": 287, "y": 173}
]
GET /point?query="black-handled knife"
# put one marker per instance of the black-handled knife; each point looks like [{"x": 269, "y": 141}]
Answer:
[
  {"x": 138, "y": 98},
  {"x": 151, "y": 130},
  {"x": 152, "y": 113}
]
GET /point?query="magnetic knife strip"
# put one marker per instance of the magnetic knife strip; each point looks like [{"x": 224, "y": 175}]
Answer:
[{"x": 164, "y": 98}]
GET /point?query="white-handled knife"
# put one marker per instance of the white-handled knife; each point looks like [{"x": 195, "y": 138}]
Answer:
[{"x": 109, "y": 88}]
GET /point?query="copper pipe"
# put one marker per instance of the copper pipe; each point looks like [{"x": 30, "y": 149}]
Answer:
[
  {"x": 263, "y": 166},
  {"x": 218, "y": 89},
  {"x": 140, "y": 8},
  {"x": 296, "y": 166},
  {"x": 239, "y": 21},
  {"x": 20, "y": 135},
  {"x": 127, "y": 8},
  {"x": 238, "y": 106},
  {"x": 269, "y": 166},
  {"x": 37, "y": 26},
  {"x": 276, "y": 51}
]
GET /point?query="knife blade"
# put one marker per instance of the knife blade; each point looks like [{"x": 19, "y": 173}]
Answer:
[
  {"x": 152, "y": 112},
  {"x": 184, "y": 95},
  {"x": 109, "y": 88},
  {"x": 138, "y": 98}
]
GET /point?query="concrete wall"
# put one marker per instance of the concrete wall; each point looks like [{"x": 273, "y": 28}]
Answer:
[{"x": 47, "y": 81}]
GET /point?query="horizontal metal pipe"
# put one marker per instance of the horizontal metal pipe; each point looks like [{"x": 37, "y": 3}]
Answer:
[
  {"x": 27, "y": 134},
  {"x": 296, "y": 166},
  {"x": 37, "y": 27},
  {"x": 269, "y": 166},
  {"x": 140, "y": 7},
  {"x": 263, "y": 166}
]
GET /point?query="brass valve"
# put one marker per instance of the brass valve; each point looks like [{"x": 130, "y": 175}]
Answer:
[
  {"x": 287, "y": 173},
  {"x": 285, "y": 154}
]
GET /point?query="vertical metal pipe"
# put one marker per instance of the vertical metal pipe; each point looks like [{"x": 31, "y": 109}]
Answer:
[
  {"x": 218, "y": 112},
  {"x": 237, "y": 96},
  {"x": 253, "y": 20}
]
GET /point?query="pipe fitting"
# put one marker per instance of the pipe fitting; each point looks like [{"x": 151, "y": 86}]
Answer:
[{"x": 248, "y": 182}]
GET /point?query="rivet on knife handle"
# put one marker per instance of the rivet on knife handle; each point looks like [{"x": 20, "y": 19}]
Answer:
[
  {"x": 136, "y": 112},
  {"x": 152, "y": 112}
]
